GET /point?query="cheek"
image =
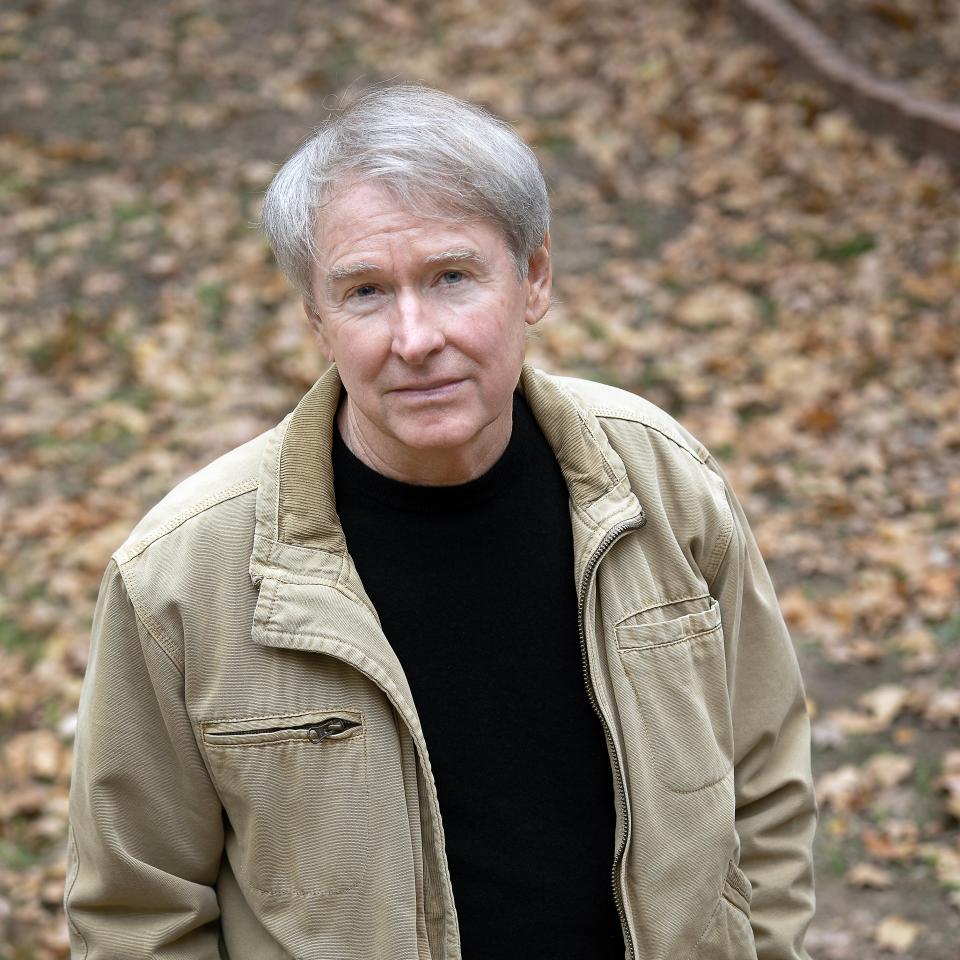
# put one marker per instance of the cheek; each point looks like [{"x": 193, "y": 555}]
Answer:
[
  {"x": 498, "y": 321},
  {"x": 359, "y": 353}
]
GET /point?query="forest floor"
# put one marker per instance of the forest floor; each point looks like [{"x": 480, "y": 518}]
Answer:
[
  {"x": 915, "y": 43},
  {"x": 727, "y": 243}
]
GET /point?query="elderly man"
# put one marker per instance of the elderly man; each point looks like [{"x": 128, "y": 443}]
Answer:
[{"x": 460, "y": 658}]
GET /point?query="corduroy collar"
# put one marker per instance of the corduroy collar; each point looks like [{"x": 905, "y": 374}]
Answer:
[{"x": 296, "y": 510}]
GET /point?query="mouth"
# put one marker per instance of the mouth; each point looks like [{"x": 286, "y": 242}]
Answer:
[{"x": 435, "y": 388}]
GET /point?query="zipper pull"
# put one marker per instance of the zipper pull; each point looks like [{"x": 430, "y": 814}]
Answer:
[{"x": 328, "y": 728}]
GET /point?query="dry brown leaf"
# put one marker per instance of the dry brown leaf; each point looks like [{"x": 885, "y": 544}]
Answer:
[
  {"x": 896, "y": 934},
  {"x": 883, "y": 704},
  {"x": 868, "y": 875},
  {"x": 943, "y": 707},
  {"x": 884, "y": 770},
  {"x": 951, "y": 762},
  {"x": 853, "y": 722},
  {"x": 893, "y": 840},
  {"x": 950, "y": 782},
  {"x": 842, "y": 789},
  {"x": 946, "y": 863},
  {"x": 921, "y": 646},
  {"x": 719, "y": 303},
  {"x": 34, "y": 754},
  {"x": 880, "y": 707}
]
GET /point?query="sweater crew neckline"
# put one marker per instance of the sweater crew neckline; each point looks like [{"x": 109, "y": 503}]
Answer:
[{"x": 365, "y": 482}]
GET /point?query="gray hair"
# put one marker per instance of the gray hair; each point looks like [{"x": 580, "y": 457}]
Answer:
[{"x": 441, "y": 156}]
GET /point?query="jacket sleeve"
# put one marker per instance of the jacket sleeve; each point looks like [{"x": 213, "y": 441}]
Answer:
[
  {"x": 146, "y": 832},
  {"x": 776, "y": 811}
]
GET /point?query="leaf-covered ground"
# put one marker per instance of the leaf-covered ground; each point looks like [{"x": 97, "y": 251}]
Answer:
[{"x": 727, "y": 243}]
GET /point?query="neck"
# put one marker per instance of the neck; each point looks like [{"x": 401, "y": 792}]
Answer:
[{"x": 435, "y": 467}]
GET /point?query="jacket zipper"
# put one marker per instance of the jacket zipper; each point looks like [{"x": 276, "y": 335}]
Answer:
[
  {"x": 609, "y": 539},
  {"x": 316, "y": 732}
]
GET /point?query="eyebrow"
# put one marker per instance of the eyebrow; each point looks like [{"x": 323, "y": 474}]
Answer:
[
  {"x": 339, "y": 274},
  {"x": 457, "y": 256},
  {"x": 351, "y": 270}
]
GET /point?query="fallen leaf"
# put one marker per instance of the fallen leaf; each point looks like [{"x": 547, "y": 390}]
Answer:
[
  {"x": 943, "y": 707},
  {"x": 896, "y": 934},
  {"x": 885, "y": 703},
  {"x": 949, "y": 781},
  {"x": 719, "y": 303},
  {"x": 868, "y": 875},
  {"x": 893, "y": 840},
  {"x": 884, "y": 770},
  {"x": 37, "y": 754},
  {"x": 842, "y": 789},
  {"x": 946, "y": 863}
]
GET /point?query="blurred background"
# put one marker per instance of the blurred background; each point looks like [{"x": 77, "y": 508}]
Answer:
[{"x": 729, "y": 242}]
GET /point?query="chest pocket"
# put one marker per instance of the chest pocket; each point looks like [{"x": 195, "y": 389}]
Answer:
[
  {"x": 294, "y": 787},
  {"x": 677, "y": 670}
]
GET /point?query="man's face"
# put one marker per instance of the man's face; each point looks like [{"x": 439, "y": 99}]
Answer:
[{"x": 426, "y": 321}]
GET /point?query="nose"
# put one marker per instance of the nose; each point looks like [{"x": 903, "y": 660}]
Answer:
[{"x": 418, "y": 331}]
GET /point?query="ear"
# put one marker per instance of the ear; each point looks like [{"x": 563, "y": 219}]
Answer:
[
  {"x": 319, "y": 330},
  {"x": 539, "y": 282}
]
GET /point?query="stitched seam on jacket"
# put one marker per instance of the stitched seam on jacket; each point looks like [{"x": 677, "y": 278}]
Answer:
[
  {"x": 720, "y": 549},
  {"x": 588, "y": 437},
  {"x": 609, "y": 413},
  {"x": 734, "y": 880},
  {"x": 295, "y": 638},
  {"x": 276, "y": 716},
  {"x": 152, "y": 628},
  {"x": 276, "y": 494},
  {"x": 247, "y": 744},
  {"x": 73, "y": 883},
  {"x": 587, "y": 434},
  {"x": 341, "y": 587},
  {"x": 268, "y": 619},
  {"x": 740, "y": 913},
  {"x": 660, "y": 605},
  {"x": 670, "y": 643},
  {"x": 269, "y": 627},
  {"x": 322, "y": 892},
  {"x": 655, "y": 764},
  {"x": 127, "y": 553},
  {"x": 706, "y": 930}
]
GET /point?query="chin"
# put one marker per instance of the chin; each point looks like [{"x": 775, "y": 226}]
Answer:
[
  {"x": 439, "y": 439},
  {"x": 450, "y": 435}
]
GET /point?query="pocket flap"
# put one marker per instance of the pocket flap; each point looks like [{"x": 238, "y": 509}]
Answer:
[{"x": 637, "y": 636}]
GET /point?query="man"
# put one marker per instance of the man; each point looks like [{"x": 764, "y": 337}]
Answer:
[{"x": 459, "y": 659}]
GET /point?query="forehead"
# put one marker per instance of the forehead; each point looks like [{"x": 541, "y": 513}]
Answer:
[{"x": 366, "y": 220}]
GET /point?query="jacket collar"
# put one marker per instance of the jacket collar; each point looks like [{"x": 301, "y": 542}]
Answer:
[
  {"x": 295, "y": 501},
  {"x": 310, "y": 594}
]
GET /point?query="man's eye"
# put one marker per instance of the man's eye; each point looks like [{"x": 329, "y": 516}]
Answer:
[
  {"x": 367, "y": 290},
  {"x": 451, "y": 276}
]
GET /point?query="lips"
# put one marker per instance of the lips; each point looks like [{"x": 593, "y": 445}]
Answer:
[{"x": 427, "y": 387}]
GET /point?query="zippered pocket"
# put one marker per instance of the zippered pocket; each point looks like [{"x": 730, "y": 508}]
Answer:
[
  {"x": 295, "y": 791},
  {"x": 314, "y": 727}
]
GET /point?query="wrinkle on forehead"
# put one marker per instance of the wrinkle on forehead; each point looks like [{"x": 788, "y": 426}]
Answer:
[{"x": 364, "y": 229}]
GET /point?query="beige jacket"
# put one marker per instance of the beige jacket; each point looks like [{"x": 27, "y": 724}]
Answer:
[{"x": 251, "y": 780}]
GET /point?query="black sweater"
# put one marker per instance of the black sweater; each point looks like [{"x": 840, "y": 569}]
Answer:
[{"x": 474, "y": 585}]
